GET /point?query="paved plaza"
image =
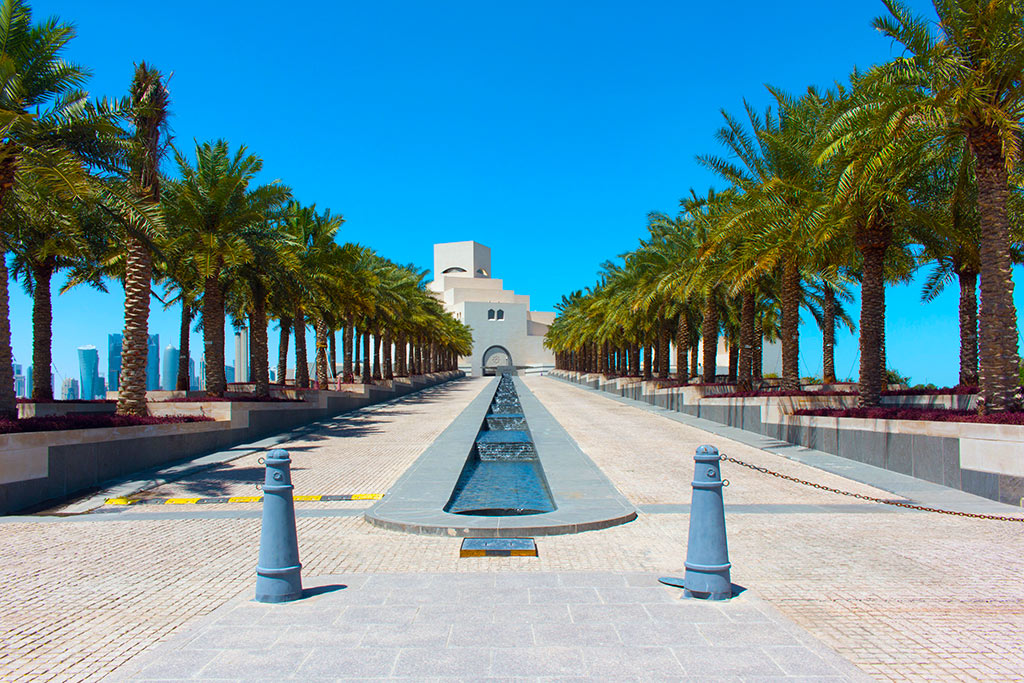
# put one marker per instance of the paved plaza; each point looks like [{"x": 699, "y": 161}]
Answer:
[{"x": 837, "y": 588}]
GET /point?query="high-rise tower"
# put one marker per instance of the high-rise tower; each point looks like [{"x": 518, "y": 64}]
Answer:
[
  {"x": 153, "y": 363},
  {"x": 242, "y": 355},
  {"x": 170, "y": 378},
  {"x": 114, "y": 342},
  {"x": 88, "y": 371}
]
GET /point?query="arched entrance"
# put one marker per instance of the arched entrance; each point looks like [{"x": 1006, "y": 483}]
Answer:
[{"x": 496, "y": 357}]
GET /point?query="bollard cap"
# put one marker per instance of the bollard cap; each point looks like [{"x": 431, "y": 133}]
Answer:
[
  {"x": 706, "y": 453},
  {"x": 278, "y": 454}
]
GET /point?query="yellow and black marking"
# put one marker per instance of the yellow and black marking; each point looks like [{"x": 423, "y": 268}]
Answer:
[
  {"x": 237, "y": 499},
  {"x": 498, "y": 547}
]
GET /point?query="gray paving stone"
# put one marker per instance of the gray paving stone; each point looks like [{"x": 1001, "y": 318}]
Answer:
[
  {"x": 495, "y": 635},
  {"x": 618, "y": 662},
  {"x": 184, "y": 664},
  {"x": 307, "y": 636},
  {"x": 505, "y": 595},
  {"x": 531, "y": 580},
  {"x": 588, "y": 579},
  {"x": 461, "y": 662},
  {"x": 634, "y": 594},
  {"x": 711, "y": 660},
  {"x": 394, "y": 614},
  {"x": 348, "y": 662},
  {"x": 533, "y": 614},
  {"x": 798, "y": 661},
  {"x": 688, "y": 611},
  {"x": 755, "y": 633},
  {"x": 453, "y": 613},
  {"x": 228, "y": 637},
  {"x": 576, "y": 634},
  {"x": 574, "y": 595},
  {"x": 255, "y": 664},
  {"x": 537, "y": 661},
  {"x": 406, "y": 635},
  {"x": 640, "y": 634},
  {"x": 612, "y": 614}
]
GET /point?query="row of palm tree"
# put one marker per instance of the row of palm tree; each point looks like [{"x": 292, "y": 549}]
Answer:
[
  {"x": 81, "y": 191},
  {"x": 910, "y": 164}
]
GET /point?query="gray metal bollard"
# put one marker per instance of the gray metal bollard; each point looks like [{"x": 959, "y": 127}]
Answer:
[
  {"x": 278, "y": 571},
  {"x": 707, "y": 550}
]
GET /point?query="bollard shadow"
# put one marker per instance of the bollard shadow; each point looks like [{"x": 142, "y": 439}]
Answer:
[{"x": 322, "y": 590}]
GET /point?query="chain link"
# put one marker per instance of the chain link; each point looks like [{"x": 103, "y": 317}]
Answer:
[{"x": 872, "y": 499}]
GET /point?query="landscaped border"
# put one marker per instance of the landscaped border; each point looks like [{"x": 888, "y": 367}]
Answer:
[
  {"x": 38, "y": 467},
  {"x": 984, "y": 459}
]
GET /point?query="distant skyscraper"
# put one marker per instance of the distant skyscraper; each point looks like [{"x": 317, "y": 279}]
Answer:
[
  {"x": 229, "y": 373},
  {"x": 28, "y": 382},
  {"x": 273, "y": 375},
  {"x": 193, "y": 381},
  {"x": 101, "y": 387},
  {"x": 19, "y": 381},
  {"x": 88, "y": 370},
  {"x": 153, "y": 363},
  {"x": 170, "y": 378},
  {"x": 113, "y": 361},
  {"x": 69, "y": 389},
  {"x": 241, "y": 355},
  {"x": 201, "y": 379}
]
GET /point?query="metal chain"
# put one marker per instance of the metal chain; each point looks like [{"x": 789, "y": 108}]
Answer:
[{"x": 910, "y": 506}]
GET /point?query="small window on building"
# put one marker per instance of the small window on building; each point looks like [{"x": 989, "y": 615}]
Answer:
[
  {"x": 481, "y": 271},
  {"x": 453, "y": 269},
  {"x": 490, "y": 314},
  {"x": 501, "y": 314}
]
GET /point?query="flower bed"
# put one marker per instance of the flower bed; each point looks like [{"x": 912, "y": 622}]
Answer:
[
  {"x": 923, "y": 414},
  {"x": 791, "y": 392},
  {"x": 44, "y": 401},
  {"x": 237, "y": 398},
  {"x": 53, "y": 423}
]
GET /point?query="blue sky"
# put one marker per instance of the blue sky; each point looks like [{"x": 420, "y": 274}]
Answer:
[{"x": 544, "y": 130}]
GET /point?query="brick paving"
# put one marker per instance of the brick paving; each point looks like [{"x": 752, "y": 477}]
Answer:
[{"x": 904, "y": 596}]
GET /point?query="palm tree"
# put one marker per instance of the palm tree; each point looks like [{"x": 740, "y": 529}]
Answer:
[
  {"x": 212, "y": 206},
  {"x": 49, "y": 133},
  {"x": 148, "y": 102},
  {"x": 969, "y": 79}
]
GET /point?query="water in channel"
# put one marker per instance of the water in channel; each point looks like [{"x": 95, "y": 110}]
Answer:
[{"x": 502, "y": 475}]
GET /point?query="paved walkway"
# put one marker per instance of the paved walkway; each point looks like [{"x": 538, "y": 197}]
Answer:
[{"x": 902, "y": 595}]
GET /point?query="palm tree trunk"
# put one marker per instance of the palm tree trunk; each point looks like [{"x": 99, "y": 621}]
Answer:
[
  {"x": 259, "y": 347},
  {"x": 388, "y": 370},
  {"x": 131, "y": 386},
  {"x": 746, "y": 357},
  {"x": 968, "y": 328},
  {"x": 634, "y": 360},
  {"x": 734, "y": 360},
  {"x": 367, "y": 379},
  {"x": 282, "y": 350},
  {"x": 757, "y": 362},
  {"x": 872, "y": 244},
  {"x": 694, "y": 361},
  {"x": 301, "y": 361},
  {"x": 401, "y": 368},
  {"x": 710, "y": 338},
  {"x": 791, "y": 325},
  {"x": 213, "y": 337},
  {"x": 181, "y": 383},
  {"x": 321, "y": 353},
  {"x": 682, "y": 337},
  {"x": 663, "y": 343},
  {"x": 828, "y": 336},
  {"x": 8, "y": 401},
  {"x": 346, "y": 353},
  {"x": 376, "y": 355},
  {"x": 998, "y": 366},
  {"x": 648, "y": 362},
  {"x": 332, "y": 353},
  {"x": 356, "y": 338},
  {"x": 42, "y": 331}
]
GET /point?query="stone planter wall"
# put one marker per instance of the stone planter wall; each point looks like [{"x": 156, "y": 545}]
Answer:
[
  {"x": 37, "y": 467},
  {"x": 983, "y": 459}
]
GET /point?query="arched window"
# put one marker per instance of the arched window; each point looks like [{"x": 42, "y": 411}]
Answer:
[
  {"x": 481, "y": 271},
  {"x": 453, "y": 269},
  {"x": 490, "y": 314},
  {"x": 501, "y": 314}
]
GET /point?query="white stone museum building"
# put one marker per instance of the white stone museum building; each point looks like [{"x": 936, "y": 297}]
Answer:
[{"x": 505, "y": 330}]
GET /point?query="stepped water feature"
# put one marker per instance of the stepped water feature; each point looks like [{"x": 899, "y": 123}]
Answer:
[
  {"x": 503, "y": 474},
  {"x": 504, "y": 468}
]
